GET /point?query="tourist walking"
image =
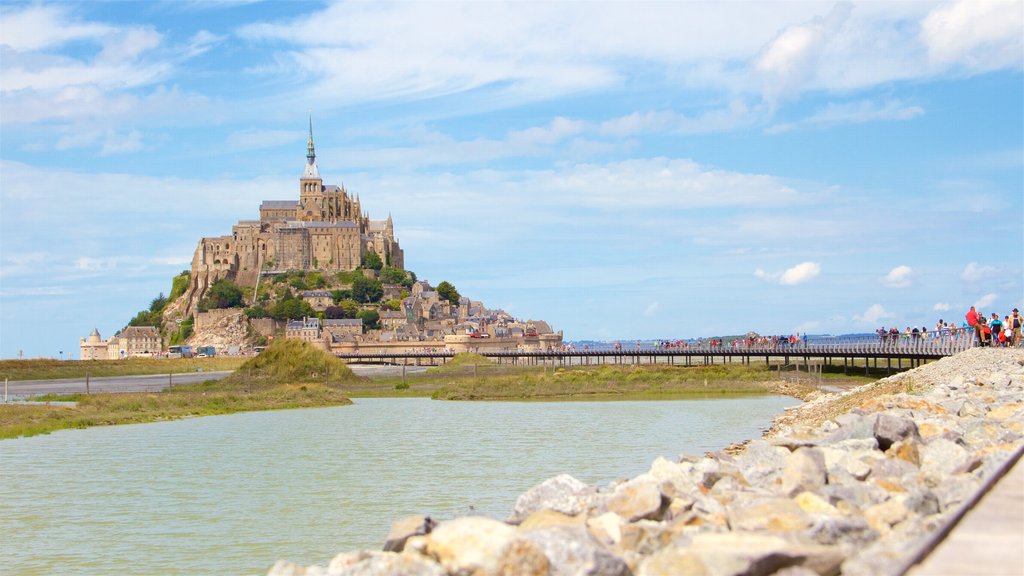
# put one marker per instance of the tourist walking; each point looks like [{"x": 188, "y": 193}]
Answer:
[{"x": 1015, "y": 327}]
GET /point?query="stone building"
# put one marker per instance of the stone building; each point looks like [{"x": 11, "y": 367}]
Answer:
[
  {"x": 93, "y": 347},
  {"x": 325, "y": 229},
  {"x": 135, "y": 341}
]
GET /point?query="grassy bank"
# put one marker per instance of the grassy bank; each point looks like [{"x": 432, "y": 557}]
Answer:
[
  {"x": 46, "y": 369},
  {"x": 289, "y": 374},
  {"x": 599, "y": 382}
]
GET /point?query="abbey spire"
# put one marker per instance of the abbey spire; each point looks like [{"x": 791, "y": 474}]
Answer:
[{"x": 311, "y": 171}]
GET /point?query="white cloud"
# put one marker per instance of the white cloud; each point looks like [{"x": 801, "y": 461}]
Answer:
[
  {"x": 975, "y": 272},
  {"x": 800, "y": 273},
  {"x": 651, "y": 310},
  {"x": 873, "y": 315},
  {"x": 791, "y": 276},
  {"x": 976, "y": 34},
  {"x": 899, "y": 277},
  {"x": 986, "y": 301},
  {"x": 789, "y": 61},
  {"x": 38, "y": 27},
  {"x": 941, "y": 307},
  {"x": 835, "y": 114}
]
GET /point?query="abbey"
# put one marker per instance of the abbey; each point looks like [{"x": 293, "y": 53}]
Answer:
[{"x": 325, "y": 229}]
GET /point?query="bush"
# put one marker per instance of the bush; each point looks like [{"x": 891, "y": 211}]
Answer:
[
  {"x": 367, "y": 290},
  {"x": 448, "y": 292},
  {"x": 372, "y": 261},
  {"x": 370, "y": 318},
  {"x": 222, "y": 294},
  {"x": 180, "y": 284}
]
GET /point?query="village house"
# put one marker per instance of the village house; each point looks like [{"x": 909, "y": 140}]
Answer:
[{"x": 318, "y": 300}]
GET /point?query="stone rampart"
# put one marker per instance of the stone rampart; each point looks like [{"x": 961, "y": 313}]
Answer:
[{"x": 856, "y": 483}]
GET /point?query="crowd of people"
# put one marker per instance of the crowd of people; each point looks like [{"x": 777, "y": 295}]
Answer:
[{"x": 991, "y": 331}]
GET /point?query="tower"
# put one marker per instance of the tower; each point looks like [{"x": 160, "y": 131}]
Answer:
[{"x": 311, "y": 186}]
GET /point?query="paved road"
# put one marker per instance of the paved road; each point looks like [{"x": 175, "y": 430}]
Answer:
[
  {"x": 147, "y": 383},
  {"x": 154, "y": 382}
]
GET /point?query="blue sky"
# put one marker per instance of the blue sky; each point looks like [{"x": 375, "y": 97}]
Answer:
[{"x": 622, "y": 170}]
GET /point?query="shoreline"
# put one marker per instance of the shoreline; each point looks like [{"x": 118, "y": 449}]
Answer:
[{"x": 857, "y": 482}]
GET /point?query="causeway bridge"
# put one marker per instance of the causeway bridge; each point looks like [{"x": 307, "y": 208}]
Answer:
[{"x": 851, "y": 353}]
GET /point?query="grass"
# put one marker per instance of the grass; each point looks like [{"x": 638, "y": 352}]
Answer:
[
  {"x": 289, "y": 374},
  {"x": 47, "y": 369},
  {"x": 601, "y": 382}
]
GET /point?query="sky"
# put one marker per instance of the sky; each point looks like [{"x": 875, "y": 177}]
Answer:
[{"x": 621, "y": 170}]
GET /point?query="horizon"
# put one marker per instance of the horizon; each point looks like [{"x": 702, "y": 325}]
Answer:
[{"x": 618, "y": 172}]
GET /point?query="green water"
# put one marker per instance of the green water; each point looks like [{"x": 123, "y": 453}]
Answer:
[{"x": 233, "y": 494}]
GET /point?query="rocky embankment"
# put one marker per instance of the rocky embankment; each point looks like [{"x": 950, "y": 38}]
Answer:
[{"x": 854, "y": 483}]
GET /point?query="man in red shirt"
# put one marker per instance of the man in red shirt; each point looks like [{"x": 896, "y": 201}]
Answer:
[{"x": 972, "y": 321}]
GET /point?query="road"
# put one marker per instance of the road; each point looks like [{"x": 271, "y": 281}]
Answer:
[{"x": 153, "y": 382}]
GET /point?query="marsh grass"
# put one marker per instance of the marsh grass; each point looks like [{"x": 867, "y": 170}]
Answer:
[{"x": 601, "y": 382}]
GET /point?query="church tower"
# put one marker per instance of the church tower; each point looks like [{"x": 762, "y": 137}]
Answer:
[{"x": 311, "y": 186}]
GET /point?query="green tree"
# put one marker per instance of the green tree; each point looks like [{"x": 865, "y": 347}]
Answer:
[
  {"x": 340, "y": 295},
  {"x": 315, "y": 280},
  {"x": 372, "y": 261},
  {"x": 256, "y": 312},
  {"x": 392, "y": 304},
  {"x": 448, "y": 292},
  {"x": 158, "y": 304},
  {"x": 291, "y": 309},
  {"x": 393, "y": 276},
  {"x": 367, "y": 289},
  {"x": 370, "y": 318},
  {"x": 349, "y": 307},
  {"x": 184, "y": 331},
  {"x": 222, "y": 294},
  {"x": 180, "y": 284}
]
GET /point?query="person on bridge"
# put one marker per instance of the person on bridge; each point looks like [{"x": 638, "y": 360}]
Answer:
[{"x": 973, "y": 320}]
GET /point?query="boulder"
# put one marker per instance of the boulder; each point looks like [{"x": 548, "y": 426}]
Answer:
[
  {"x": 403, "y": 529},
  {"x": 804, "y": 470},
  {"x": 368, "y": 563},
  {"x": 468, "y": 545},
  {"x": 563, "y": 493},
  {"x": 735, "y": 554},
  {"x": 775, "y": 514},
  {"x": 638, "y": 498},
  {"x": 889, "y": 429},
  {"x": 572, "y": 551}
]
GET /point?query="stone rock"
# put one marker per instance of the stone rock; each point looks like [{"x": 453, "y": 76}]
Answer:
[
  {"x": 638, "y": 498},
  {"x": 775, "y": 514},
  {"x": 853, "y": 426},
  {"x": 572, "y": 551},
  {"x": 406, "y": 527},
  {"x": 892, "y": 468},
  {"x": 734, "y": 554},
  {"x": 940, "y": 457},
  {"x": 563, "y": 493},
  {"x": 890, "y": 429},
  {"x": 470, "y": 545},
  {"x": 832, "y": 530},
  {"x": 883, "y": 516},
  {"x": 813, "y": 504},
  {"x": 804, "y": 470},
  {"x": 673, "y": 474},
  {"x": 672, "y": 561},
  {"x": 368, "y": 563},
  {"x": 644, "y": 537},
  {"x": 906, "y": 450},
  {"x": 841, "y": 461},
  {"x": 520, "y": 558},
  {"x": 545, "y": 518},
  {"x": 606, "y": 528}
]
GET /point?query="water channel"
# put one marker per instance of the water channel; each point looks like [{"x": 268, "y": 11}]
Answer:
[{"x": 232, "y": 494}]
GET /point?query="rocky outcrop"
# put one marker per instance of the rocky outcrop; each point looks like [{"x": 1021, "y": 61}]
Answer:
[{"x": 861, "y": 493}]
